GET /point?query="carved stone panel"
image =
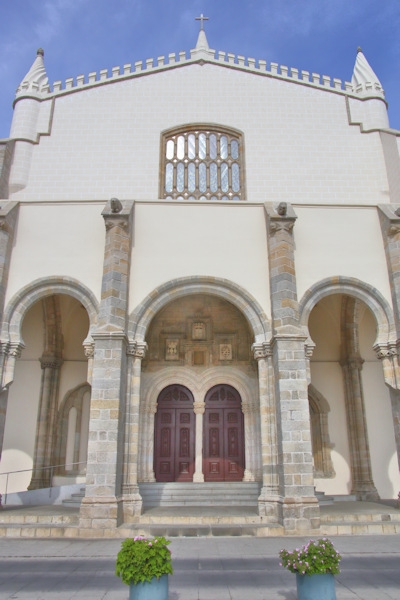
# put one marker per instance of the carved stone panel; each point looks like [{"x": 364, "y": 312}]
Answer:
[
  {"x": 199, "y": 331},
  {"x": 172, "y": 349},
  {"x": 225, "y": 352}
]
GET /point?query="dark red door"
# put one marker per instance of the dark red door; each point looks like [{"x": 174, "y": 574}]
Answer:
[
  {"x": 174, "y": 435},
  {"x": 223, "y": 443}
]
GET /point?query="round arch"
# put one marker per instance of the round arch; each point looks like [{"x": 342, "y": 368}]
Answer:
[
  {"x": 22, "y": 301},
  {"x": 351, "y": 286},
  {"x": 141, "y": 317}
]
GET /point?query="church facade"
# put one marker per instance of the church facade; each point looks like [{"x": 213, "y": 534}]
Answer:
[{"x": 199, "y": 277}]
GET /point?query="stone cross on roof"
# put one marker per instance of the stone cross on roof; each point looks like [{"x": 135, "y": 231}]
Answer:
[{"x": 201, "y": 18}]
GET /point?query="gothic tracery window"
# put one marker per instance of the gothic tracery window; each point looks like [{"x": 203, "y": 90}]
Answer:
[{"x": 202, "y": 163}]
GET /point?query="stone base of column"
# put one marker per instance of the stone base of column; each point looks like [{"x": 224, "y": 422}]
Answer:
[
  {"x": 365, "y": 492},
  {"x": 270, "y": 505},
  {"x": 300, "y": 514},
  {"x": 131, "y": 504},
  {"x": 248, "y": 476},
  {"x": 98, "y": 513},
  {"x": 38, "y": 483},
  {"x": 198, "y": 478}
]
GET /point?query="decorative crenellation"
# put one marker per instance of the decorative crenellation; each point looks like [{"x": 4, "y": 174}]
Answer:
[{"x": 140, "y": 68}]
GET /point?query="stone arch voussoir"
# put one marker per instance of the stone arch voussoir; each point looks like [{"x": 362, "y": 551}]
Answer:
[
  {"x": 350, "y": 286},
  {"x": 141, "y": 317},
  {"x": 200, "y": 383},
  {"x": 22, "y": 301}
]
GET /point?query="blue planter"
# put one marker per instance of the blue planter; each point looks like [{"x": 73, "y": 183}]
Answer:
[
  {"x": 156, "y": 589},
  {"x": 316, "y": 587}
]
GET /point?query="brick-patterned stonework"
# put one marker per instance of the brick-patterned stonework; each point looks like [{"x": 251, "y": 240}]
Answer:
[
  {"x": 102, "y": 506},
  {"x": 299, "y": 507}
]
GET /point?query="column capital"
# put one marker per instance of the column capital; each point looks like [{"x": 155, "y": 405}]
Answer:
[
  {"x": 199, "y": 407},
  {"x": 50, "y": 362},
  {"x": 386, "y": 350},
  {"x": 249, "y": 408},
  {"x": 261, "y": 350},
  {"x": 309, "y": 348},
  {"x": 8, "y": 216},
  {"x": 137, "y": 349},
  {"x": 281, "y": 217},
  {"x": 390, "y": 219},
  {"x": 117, "y": 213},
  {"x": 13, "y": 349},
  {"x": 352, "y": 362},
  {"x": 88, "y": 348}
]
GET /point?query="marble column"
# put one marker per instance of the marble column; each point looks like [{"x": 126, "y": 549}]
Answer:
[
  {"x": 199, "y": 408},
  {"x": 131, "y": 499},
  {"x": 362, "y": 483},
  {"x": 46, "y": 426}
]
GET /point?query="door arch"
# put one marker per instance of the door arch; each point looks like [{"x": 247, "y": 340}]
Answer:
[
  {"x": 174, "y": 435},
  {"x": 223, "y": 442}
]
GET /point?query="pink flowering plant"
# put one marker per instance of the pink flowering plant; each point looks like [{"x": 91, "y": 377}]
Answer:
[
  {"x": 314, "y": 558},
  {"x": 140, "y": 559}
]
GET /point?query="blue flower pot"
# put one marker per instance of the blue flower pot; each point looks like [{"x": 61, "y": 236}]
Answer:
[
  {"x": 315, "y": 587},
  {"x": 156, "y": 589}
]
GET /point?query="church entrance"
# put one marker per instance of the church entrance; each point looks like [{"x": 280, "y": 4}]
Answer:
[
  {"x": 223, "y": 435},
  {"x": 174, "y": 435}
]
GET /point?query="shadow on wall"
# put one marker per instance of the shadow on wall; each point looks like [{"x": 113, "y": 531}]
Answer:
[{"x": 45, "y": 496}]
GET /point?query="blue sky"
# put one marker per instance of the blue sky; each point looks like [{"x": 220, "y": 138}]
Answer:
[{"x": 80, "y": 36}]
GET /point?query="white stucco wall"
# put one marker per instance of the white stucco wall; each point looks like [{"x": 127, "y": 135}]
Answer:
[
  {"x": 174, "y": 240},
  {"x": 20, "y": 429},
  {"x": 299, "y": 146},
  {"x": 345, "y": 241},
  {"x": 56, "y": 240}
]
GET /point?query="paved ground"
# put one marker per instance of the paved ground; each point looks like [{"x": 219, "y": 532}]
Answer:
[{"x": 236, "y": 568}]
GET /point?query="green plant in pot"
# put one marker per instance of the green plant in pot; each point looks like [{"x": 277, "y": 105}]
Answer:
[
  {"x": 315, "y": 565},
  {"x": 144, "y": 564}
]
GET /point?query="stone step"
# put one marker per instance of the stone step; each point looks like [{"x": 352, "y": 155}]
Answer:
[
  {"x": 360, "y": 528},
  {"x": 205, "y": 530},
  {"x": 75, "y": 500},
  {"x": 384, "y": 517},
  {"x": 34, "y": 518},
  {"x": 200, "y": 494}
]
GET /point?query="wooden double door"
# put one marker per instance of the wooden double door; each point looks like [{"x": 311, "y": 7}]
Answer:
[
  {"x": 223, "y": 435},
  {"x": 174, "y": 436},
  {"x": 222, "y": 448}
]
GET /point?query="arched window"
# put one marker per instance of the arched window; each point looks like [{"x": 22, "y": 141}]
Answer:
[
  {"x": 202, "y": 163},
  {"x": 73, "y": 432},
  {"x": 321, "y": 445}
]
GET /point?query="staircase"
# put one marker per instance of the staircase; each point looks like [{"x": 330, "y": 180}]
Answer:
[
  {"x": 216, "y": 494},
  {"x": 75, "y": 500}
]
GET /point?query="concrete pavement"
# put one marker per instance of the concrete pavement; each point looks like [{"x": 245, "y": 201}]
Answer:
[{"x": 226, "y": 568}]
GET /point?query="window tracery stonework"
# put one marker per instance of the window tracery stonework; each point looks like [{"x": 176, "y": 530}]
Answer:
[{"x": 202, "y": 163}]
